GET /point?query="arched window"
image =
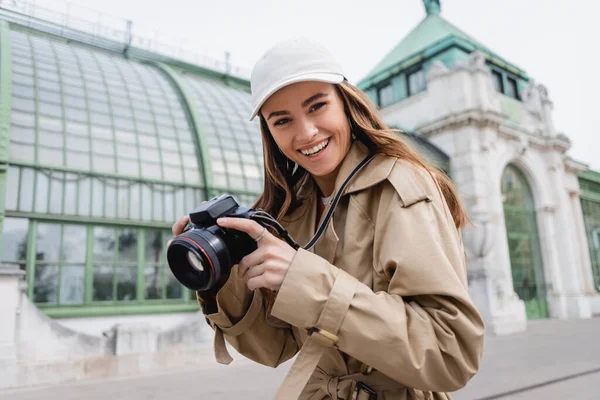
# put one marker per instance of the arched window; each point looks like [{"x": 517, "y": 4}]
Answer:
[{"x": 523, "y": 242}]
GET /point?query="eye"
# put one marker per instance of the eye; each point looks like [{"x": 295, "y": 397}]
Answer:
[
  {"x": 317, "y": 106},
  {"x": 281, "y": 121}
]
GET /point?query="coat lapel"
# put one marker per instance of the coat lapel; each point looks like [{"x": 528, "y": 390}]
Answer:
[{"x": 301, "y": 223}]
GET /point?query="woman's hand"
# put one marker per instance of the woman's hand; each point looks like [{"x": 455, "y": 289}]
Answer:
[
  {"x": 178, "y": 227},
  {"x": 267, "y": 265}
]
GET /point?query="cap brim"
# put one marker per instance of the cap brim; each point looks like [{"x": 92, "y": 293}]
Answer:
[{"x": 313, "y": 76}]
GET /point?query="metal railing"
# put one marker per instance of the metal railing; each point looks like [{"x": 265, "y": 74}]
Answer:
[{"x": 101, "y": 29}]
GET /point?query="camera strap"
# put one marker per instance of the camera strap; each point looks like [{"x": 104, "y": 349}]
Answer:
[
  {"x": 334, "y": 202},
  {"x": 265, "y": 219}
]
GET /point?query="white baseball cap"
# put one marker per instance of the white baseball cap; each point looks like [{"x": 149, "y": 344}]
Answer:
[{"x": 291, "y": 61}]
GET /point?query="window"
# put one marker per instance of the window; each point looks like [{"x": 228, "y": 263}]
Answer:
[
  {"x": 505, "y": 84},
  {"x": 512, "y": 88},
  {"x": 497, "y": 79},
  {"x": 416, "y": 82},
  {"x": 385, "y": 95},
  {"x": 59, "y": 271}
]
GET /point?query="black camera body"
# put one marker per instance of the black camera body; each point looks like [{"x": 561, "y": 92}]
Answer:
[{"x": 204, "y": 253}]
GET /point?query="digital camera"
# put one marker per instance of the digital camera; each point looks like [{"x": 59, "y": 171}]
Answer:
[{"x": 205, "y": 252}]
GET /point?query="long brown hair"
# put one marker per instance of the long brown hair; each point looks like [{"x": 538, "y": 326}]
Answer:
[{"x": 282, "y": 177}]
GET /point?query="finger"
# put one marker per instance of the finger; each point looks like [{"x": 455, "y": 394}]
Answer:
[
  {"x": 180, "y": 225},
  {"x": 169, "y": 243},
  {"x": 254, "y": 258},
  {"x": 252, "y": 228},
  {"x": 254, "y": 271},
  {"x": 257, "y": 282}
]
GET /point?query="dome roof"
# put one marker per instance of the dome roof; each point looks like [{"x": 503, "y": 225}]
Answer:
[{"x": 112, "y": 137}]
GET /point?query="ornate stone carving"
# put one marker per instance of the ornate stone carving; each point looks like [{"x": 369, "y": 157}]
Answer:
[
  {"x": 533, "y": 100},
  {"x": 477, "y": 61},
  {"x": 478, "y": 239},
  {"x": 437, "y": 69}
]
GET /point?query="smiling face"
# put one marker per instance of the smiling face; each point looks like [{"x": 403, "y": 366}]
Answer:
[{"x": 308, "y": 123}]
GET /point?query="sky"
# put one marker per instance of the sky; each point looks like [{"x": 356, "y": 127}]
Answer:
[{"x": 554, "y": 41}]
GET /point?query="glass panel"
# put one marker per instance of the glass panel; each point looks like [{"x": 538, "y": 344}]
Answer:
[
  {"x": 110, "y": 198},
  {"x": 84, "y": 197},
  {"x": 23, "y": 119},
  {"x": 128, "y": 166},
  {"x": 26, "y": 192},
  {"x": 497, "y": 79},
  {"x": 174, "y": 288},
  {"x": 127, "y": 245},
  {"x": 192, "y": 176},
  {"x": 49, "y": 156},
  {"x": 153, "y": 282},
  {"x": 146, "y": 203},
  {"x": 126, "y": 283},
  {"x": 70, "y": 194},
  {"x": 104, "y": 147},
  {"x": 97, "y": 198},
  {"x": 48, "y": 242},
  {"x": 416, "y": 82},
  {"x": 151, "y": 171},
  {"x": 72, "y": 284},
  {"x": 77, "y": 128},
  {"x": 104, "y": 164},
  {"x": 154, "y": 247},
  {"x": 103, "y": 283},
  {"x": 512, "y": 89},
  {"x": 56, "y": 189},
  {"x": 78, "y": 160},
  {"x": 386, "y": 95},
  {"x": 12, "y": 188},
  {"x": 80, "y": 143},
  {"x": 123, "y": 200},
  {"x": 45, "y": 286},
  {"x": 104, "y": 244},
  {"x": 14, "y": 239},
  {"x": 134, "y": 202},
  {"x": 22, "y": 134},
  {"x": 51, "y": 110},
  {"x": 172, "y": 174},
  {"x": 51, "y": 124},
  {"x": 180, "y": 209},
  {"x": 158, "y": 213},
  {"x": 74, "y": 243},
  {"x": 50, "y": 139}
]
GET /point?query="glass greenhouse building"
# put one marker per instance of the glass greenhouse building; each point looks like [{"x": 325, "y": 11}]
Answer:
[{"x": 102, "y": 152}]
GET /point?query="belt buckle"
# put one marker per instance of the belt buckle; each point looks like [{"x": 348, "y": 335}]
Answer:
[{"x": 361, "y": 387}]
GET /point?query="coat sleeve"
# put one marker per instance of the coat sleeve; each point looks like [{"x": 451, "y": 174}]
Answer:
[
  {"x": 424, "y": 331},
  {"x": 243, "y": 318}
]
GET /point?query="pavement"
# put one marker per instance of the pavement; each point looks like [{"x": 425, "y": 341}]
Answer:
[{"x": 551, "y": 360}]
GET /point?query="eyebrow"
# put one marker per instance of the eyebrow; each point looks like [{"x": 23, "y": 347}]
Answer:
[{"x": 304, "y": 104}]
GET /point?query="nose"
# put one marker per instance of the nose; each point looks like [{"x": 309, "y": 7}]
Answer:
[{"x": 308, "y": 130}]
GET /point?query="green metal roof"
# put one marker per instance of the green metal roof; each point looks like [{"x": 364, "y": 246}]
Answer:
[
  {"x": 431, "y": 31},
  {"x": 95, "y": 134}
]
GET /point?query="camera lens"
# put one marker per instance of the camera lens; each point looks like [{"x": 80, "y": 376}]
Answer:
[
  {"x": 198, "y": 258},
  {"x": 195, "y": 261}
]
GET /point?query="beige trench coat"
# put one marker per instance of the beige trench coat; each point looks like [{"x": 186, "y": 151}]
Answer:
[{"x": 410, "y": 319}]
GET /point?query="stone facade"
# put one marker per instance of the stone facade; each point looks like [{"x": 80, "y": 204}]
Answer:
[{"x": 483, "y": 131}]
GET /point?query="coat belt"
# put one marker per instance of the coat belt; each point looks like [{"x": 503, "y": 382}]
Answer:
[{"x": 342, "y": 386}]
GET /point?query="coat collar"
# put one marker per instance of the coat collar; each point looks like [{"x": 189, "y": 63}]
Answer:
[{"x": 376, "y": 171}]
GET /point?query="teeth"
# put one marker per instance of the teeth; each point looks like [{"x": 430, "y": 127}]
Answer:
[{"x": 316, "y": 149}]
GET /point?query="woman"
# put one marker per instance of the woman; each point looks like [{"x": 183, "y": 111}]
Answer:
[{"x": 380, "y": 302}]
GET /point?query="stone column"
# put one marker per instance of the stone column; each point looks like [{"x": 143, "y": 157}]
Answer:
[
  {"x": 10, "y": 292},
  {"x": 572, "y": 296}
]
